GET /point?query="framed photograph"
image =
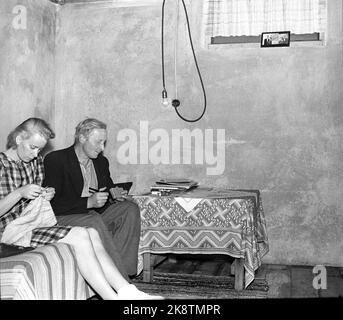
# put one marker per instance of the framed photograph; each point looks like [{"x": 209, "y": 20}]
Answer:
[{"x": 275, "y": 39}]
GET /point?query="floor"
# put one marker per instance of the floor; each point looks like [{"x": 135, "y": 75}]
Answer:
[{"x": 284, "y": 281}]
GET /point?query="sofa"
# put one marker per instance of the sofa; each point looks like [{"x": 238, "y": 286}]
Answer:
[{"x": 45, "y": 273}]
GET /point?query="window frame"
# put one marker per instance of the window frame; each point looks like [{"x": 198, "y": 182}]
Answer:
[
  {"x": 297, "y": 39},
  {"x": 257, "y": 39}
]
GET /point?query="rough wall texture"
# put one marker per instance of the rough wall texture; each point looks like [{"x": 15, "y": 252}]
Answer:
[
  {"x": 281, "y": 110},
  {"x": 27, "y": 38}
]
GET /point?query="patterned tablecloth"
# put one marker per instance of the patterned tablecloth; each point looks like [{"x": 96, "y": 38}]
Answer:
[{"x": 206, "y": 221}]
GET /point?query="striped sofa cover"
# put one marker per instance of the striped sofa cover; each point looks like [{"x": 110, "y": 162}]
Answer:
[{"x": 46, "y": 273}]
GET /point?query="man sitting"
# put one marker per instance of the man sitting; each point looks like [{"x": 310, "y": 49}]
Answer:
[{"x": 81, "y": 178}]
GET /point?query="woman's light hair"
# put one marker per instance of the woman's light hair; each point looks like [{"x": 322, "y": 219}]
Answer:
[
  {"x": 27, "y": 128},
  {"x": 85, "y": 127}
]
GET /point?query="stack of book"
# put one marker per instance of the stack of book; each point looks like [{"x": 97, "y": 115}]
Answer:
[{"x": 166, "y": 186}]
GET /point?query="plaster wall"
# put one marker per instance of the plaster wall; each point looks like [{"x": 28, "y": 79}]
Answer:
[{"x": 27, "y": 49}]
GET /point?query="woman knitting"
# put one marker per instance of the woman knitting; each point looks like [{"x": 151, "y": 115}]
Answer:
[{"x": 21, "y": 176}]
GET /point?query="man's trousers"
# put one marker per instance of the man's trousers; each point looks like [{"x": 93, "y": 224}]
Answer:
[{"x": 119, "y": 227}]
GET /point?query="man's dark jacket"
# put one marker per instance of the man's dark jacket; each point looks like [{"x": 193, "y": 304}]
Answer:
[{"x": 63, "y": 172}]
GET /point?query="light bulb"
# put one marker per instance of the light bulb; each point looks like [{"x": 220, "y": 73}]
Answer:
[{"x": 165, "y": 101}]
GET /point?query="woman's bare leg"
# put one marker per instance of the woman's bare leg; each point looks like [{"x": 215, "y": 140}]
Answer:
[
  {"x": 124, "y": 289},
  {"x": 88, "y": 262},
  {"x": 112, "y": 274}
]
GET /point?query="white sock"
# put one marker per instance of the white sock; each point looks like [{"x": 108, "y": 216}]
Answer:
[{"x": 131, "y": 292}]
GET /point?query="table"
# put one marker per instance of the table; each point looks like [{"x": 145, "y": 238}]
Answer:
[{"x": 205, "y": 221}]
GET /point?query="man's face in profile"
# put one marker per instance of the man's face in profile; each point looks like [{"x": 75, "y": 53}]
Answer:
[{"x": 94, "y": 143}]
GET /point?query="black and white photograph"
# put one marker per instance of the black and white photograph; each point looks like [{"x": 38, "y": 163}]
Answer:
[
  {"x": 275, "y": 39},
  {"x": 155, "y": 153}
]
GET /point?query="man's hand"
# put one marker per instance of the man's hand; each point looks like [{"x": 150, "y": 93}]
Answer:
[
  {"x": 119, "y": 194},
  {"x": 97, "y": 199}
]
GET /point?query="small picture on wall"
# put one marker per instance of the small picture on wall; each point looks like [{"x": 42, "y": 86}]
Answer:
[{"x": 275, "y": 39}]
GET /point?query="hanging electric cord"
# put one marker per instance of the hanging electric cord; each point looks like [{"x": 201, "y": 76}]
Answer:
[
  {"x": 176, "y": 38},
  {"x": 176, "y": 102},
  {"x": 164, "y": 91}
]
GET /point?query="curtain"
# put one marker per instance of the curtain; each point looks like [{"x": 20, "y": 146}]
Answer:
[{"x": 252, "y": 17}]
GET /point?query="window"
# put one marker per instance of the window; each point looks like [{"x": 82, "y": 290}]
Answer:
[{"x": 243, "y": 21}]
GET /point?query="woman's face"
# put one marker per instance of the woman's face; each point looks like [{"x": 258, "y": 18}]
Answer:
[{"x": 29, "y": 148}]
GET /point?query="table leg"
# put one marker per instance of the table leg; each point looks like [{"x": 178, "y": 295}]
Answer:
[
  {"x": 239, "y": 273},
  {"x": 147, "y": 267},
  {"x": 232, "y": 268}
]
